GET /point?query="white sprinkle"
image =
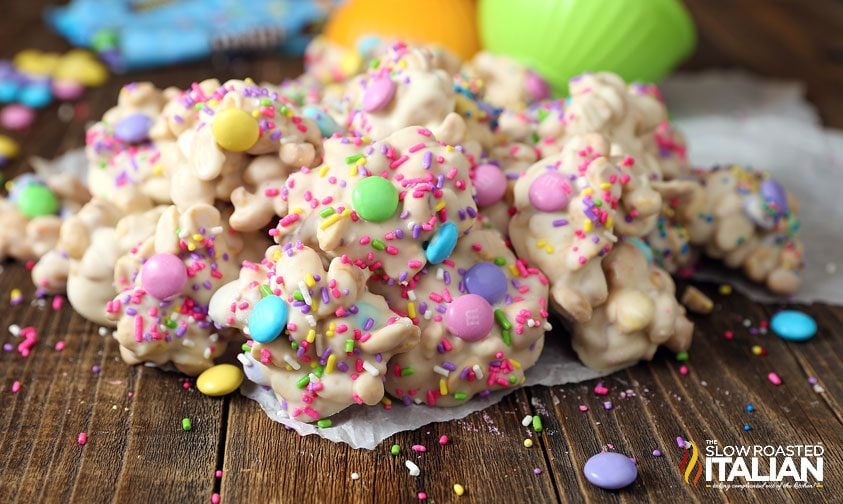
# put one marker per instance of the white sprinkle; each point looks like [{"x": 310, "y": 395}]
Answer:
[
  {"x": 818, "y": 388},
  {"x": 310, "y": 320},
  {"x": 440, "y": 274},
  {"x": 531, "y": 323},
  {"x": 103, "y": 331},
  {"x": 547, "y": 326},
  {"x": 370, "y": 368},
  {"x": 216, "y": 230},
  {"x": 305, "y": 293},
  {"x": 247, "y": 362},
  {"x": 214, "y": 338},
  {"x": 183, "y": 233},
  {"x": 478, "y": 371},
  {"x": 355, "y": 476},
  {"x": 413, "y": 468},
  {"x": 188, "y": 343},
  {"x": 439, "y": 369},
  {"x": 428, "y": 314},
  {"x": 292, "y": 362},
  {"x": 581, "y": 183},
  {"x": 411, "y": 294},
  {"x": 207, "y": 353},
  {"x": 527, "y": 420},
  {"x": 14, "y": 329}
]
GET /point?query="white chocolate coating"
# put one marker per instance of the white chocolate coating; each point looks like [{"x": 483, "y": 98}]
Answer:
[
  {"x": 446, "y": 370},
  {"x": 640, "y": 313},
  {"x": 338, "y": 337}
]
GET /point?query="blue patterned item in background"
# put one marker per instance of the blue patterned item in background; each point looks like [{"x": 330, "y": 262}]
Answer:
[{"x": 131, "y": 34}]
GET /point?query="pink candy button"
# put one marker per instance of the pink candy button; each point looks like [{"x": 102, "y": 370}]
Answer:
[
  {"x": 378, "y": 93},
  {"x": 549, "y": 192},
  {"x": 163, "y": 276},
  {"x": 469, "y": 317},
  {"x": 490, "y": 183},
  {"x": 17, "y": 117}
]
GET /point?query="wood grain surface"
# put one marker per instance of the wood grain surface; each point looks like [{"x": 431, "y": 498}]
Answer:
[{"x": 137, "y": 450}]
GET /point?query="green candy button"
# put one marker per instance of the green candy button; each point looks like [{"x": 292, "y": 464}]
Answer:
[
  {"x": 36, "y": 200},
  {"x": 375, "y": 199}
]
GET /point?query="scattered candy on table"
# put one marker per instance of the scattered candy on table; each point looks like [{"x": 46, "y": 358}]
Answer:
[
  {"x": 220, "y": 380},
  {"x": 610, "y": 471},
  {"x": 793, "y": 325}
]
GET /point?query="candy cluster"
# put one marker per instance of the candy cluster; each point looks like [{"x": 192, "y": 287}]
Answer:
[{"x": 397, "y": 225}]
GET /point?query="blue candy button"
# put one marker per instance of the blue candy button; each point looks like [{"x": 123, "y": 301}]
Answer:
[
  {"x": 268, "y": 319},
  {"x": 326, "y": 123},
  {"x": 793, "y": 325},
  {"x": 442, "y": 243},
  {"x": 36, "y": 95}
]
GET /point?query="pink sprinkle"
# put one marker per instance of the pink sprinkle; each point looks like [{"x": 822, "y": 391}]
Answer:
[
  {"x": 683, "y": 370},
  {"x": 537, "y": 471},
  {"x": 599, "y": 389},
  {"x": 422, "y": 496},
  {"x": 418, "y": 448},
  {"x": 218, "y": 474},
  {"x": 16, "y": 387},
  {"x": 82, "y": 438},
  {"x": 583, "y": 408},
  {"x": 58, "y": 302},
  {"x": 215, "y": 498},
  {"x": 680, "y": 442},
  {"x": 60, "y": 346},
  {"x": 774, "y": 378},
  {"x": 657, "y": 453},
  {"x": 443, "y": 440}
]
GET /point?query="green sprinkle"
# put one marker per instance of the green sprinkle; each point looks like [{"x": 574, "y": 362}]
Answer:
[
  {"x": 324, "y": 423},
  {"x": 507, "y": 337},
  {"x": 512, "y": 379},
  {"x": 327, "y": 212},
  {"x": 375, "y": 63},
  {"x": 407, "y": 371},
  {"x": 294, "y": 345},
  {"x": 199, "y": 106},
  {"x": 245, "y": 348},
  {"x": 319, "y": 371},
  {"x": 284, "y": 109},
  {"x": 535, "y": 137},
  {"x": 598, "y": 203},
  {"x": 349, "y": 345},
  {"x": 298, "y": 296},
  {"x": 541, "y": 114},
  {"x": 537, "y": 423},
  {"x": 500, "y": 261},
  {"x": 265, "y": 290},
  {"x": 265, "y": 102},
  {"x": 460, "y": 396},
  {"x": 500, "y": 318},
  {"x": 186, "y": 424},
  {"x": 303, "y": 381},
  {"x": 395, "y": 449},
  {"x": 682, "y": 356},
  {"x": 353, "y": 159},
  {"x": 378, "y": 245},
  {"x": 170, "y": 323}
]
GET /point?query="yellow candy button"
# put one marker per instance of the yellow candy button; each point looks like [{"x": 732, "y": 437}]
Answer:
[
  {"x": 8, "y": 147},
  {"x": 235, "y": 130},
  {"x": 219, "y": 380}
]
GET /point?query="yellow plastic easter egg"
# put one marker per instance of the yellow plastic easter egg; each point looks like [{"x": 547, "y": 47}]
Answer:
[
  {"x": 34, "y": 62},
  {"x": 235, "y": 130},
  {"x": 219, "y": 380},
  {"x": 451, "y": 24},
  {"x": 8, "y": 147}
]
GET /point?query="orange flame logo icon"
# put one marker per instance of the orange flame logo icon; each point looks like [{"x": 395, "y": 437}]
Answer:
[{"x": 691, "y": 464}]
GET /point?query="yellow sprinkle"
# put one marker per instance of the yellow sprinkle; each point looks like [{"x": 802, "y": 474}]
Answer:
[
  {"x": 330, "y": 221},
  {"x": 605, "y": 185},
  {"x": 440, "y": 206},
  {"x": 191, "y": 247},
  {"x": 411, "y": 309},
  {"x": 459, "y": 489},
  {"x": 256, "y": 114},
  {"x": 297, "y": 210},
  {"x": 16, "y": 293},
  {"x": 609, "y": 224},
  {"x": 213, "y": 102},
  {"x": 346, "y": 212},
  {"x": 329, "y": 366},
  {"x": 402, "y": 64},
  {"x": 249, "y": 81},
  {"x": 587, "y": 226},
  {"x": 386, "y": 401},
  {"x": 361, "y": 161},
  {"x": 353, "y": 170},
  {"x": 366, "y": 139},
  {"x": 515, "y": 363},
  {"x": 324, "y": 170},
  {"x": 311, "y": 336},
  {"x": 541, "y": 243},
  {"x": 588, "y": 191},
  {"x": 309, "y": 280},
  {"x": 332, "y": 329},
  {"x": 528, "y": 443},
  {"x": 158, "y": 169},
  {"x": 276, "y": 255},
  {"x": 725, "y": 289},
  {"x": 449, "y": 148},
  {"x": 197, "y": 237},
  {"x": 443, "y": 386},
  {"x": 514, "y": 270},
  {"x": 549, "y": 249}
]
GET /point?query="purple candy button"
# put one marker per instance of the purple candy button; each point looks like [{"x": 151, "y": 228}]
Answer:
[
  {"x": 536, "y": 87},
  {"x": 469, "y": 317},
  {"x": 486, "y": 280},
  {"x": 163, "y": 276},
  {"x": 378, "y": 93},
  {"x": 610, "y": 470},
  {"x": 549, "y": 192},
  {"x": 133, "y": 129},
  {"x": 775, "y": 195}
]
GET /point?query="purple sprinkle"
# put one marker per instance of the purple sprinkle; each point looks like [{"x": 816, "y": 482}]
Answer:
[
  {"x": 450, "y": 366},
  {"x": 370, "y": 322},
  {"x": 427, "y": 159}
]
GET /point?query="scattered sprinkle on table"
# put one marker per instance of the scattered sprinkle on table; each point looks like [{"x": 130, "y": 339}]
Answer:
[
  {"x": 774, "y": 378},
  {"x": 186, "y": 424},
  {"x": 395, "y": 449},
  {"x": 537, "y": 423},
  {"x": 82, "y": 438},
  {"x": 413, "y": 468},
  {"x": 459, "y": 489},
  {"x": 443, "y": 440},
  {"x": 355, "y": 476}
]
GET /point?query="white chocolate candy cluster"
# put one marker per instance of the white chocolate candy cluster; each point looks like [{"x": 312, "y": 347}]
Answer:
[{"x": 321, "y": 340}]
